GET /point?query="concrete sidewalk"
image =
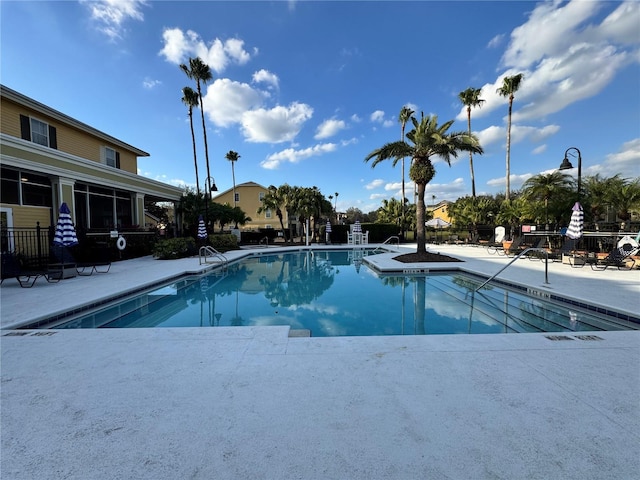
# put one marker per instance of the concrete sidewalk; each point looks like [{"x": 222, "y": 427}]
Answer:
[{"x": 250, "y": 402}]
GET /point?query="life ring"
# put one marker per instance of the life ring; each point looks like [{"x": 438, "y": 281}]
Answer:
[{"x": 121, "y": 243}]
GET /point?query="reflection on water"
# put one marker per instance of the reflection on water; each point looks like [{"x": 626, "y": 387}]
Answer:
[{"x": 334, "y": 293}]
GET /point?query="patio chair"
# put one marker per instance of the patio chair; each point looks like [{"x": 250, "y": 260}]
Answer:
[
  {"x": 13, "y": 267},
  {"x": 620, "y": 257},
  {"x": 567, "y": 247},
  {"x": 85, "y": 261}
]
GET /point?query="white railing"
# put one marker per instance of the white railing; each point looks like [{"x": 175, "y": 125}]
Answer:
[
  {"x": 388, "y": 242},
  {"x": 211, "y": 255}
]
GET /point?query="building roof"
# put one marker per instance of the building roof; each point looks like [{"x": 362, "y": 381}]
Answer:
[
  {"x": 245, "y": 184},
  {"x": 21, "y": 99}
]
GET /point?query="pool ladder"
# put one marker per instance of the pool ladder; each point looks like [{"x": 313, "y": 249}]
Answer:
[
  {"x": 208, "y": 252},
  {"x": 530, "y": 249},
  {"x": 387, "y": 242}
]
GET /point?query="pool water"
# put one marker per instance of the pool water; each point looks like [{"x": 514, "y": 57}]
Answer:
[{"x": 333, "y": 293}]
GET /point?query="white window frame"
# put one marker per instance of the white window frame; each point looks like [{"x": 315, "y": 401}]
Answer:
[
  {"x": 106, "y": 157},
  {"x": 267, "y": 213},
  {"x": 236, "y": 197},
  {"x": 261, "y": 196},
  {"x": 36, "y": 136}
]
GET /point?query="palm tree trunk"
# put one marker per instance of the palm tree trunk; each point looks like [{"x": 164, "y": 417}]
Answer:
[
  {"x": 420, "y": 228},
  {"x": 473, "y": 179},
  {"x": 195, "y": 158},
  {"x": 233, "y": 174},
  {"x": 507, "y": 195},
  {"x": 204, "y": 132}
]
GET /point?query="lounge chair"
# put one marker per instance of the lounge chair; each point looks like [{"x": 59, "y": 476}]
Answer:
[
  {"x": 620, "y": 257},
  {"x": 85, "y": 261},
  {"x": 13, "y": 267},
  {"x": 567, "y": 247}
]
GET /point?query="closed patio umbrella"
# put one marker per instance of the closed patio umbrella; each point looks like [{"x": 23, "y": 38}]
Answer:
[
  {"x": 202, "y": 229},
  {"x": 327, "y": 232},
  {"x": 576, "y": 225},
  {"x": 357, "y": 228},
  {"x": 65, "y": 235}
]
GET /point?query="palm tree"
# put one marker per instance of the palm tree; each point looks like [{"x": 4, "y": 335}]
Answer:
[
  {"x": 403, "y": 118},
  {"x": 510, "y": 85},
  {"x": 233, "y": 158},
  {"x": 428, "y": 139},
  {"x": 471, "y": 98},
  {"x": 201, "y": 73},
  {"x": 546, "y": 186},
  {"x": 190, "y": 99}
]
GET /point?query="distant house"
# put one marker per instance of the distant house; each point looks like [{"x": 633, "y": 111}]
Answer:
[
  {"x": 48, "y": 158},
  {"x": 440, "y": 210},
  {"x": 249, "y": 198}
]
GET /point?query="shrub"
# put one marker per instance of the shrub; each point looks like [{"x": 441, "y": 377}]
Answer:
[
  {"x": 223, "y": 242},
  {"x": 174, "y": 248}
]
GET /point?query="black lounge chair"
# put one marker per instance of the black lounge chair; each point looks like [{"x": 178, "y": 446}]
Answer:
[
  {"x": 85, "y": 261},
  {"x": 621, "y": 257},
  {"x": 567, "y": 247},
  {"x": 12, "y": 267}
]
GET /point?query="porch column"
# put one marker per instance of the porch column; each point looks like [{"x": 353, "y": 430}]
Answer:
[
  {"x": 139, "y": 210},
  {"x": 63, "y": 192}
]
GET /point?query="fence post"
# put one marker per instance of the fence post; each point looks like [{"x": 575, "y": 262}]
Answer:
[{"x": 39, "y": 243}]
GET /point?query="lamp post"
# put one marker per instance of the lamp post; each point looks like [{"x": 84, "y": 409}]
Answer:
[
  {"x": 210, "y": 187},
  {"x": 566, "y": 165}
]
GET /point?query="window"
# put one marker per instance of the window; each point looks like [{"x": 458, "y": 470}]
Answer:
[
  {"x": 261, "y": 196},
  {"x": 9, "y": 187},
  {"x": 110, "y": 157},
  {"x": 267, "y": 213},
  {"x": 37, "y": 131},
  {"x": 236, "y": 197},
  {"x": 36, "y": 190}
]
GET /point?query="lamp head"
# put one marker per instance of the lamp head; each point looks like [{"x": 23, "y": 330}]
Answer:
[
  {"x": 214, "y": 188},
  {"x": 566, "y": 164}
]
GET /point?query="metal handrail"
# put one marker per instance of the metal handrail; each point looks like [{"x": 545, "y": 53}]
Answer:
[
  {"x": 530, "y": 249},
  {"x": 208, "y": 251},
  {"x": 387, "y": 241}
]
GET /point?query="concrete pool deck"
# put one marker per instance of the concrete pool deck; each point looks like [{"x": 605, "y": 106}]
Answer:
[{"x": 250, "y": 402}]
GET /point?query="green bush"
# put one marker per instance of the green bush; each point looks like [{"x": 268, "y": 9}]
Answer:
[
  {"x": 223, "y": 242},
  {"x": 174, "y": 248}
]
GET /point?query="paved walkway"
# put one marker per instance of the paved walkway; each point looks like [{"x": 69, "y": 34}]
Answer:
[{"x": 250, "y": 402}]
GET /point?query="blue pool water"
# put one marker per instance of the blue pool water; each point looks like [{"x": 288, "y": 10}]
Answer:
[{"x": 331, "y": 293}]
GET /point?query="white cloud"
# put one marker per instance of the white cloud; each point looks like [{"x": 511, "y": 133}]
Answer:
[
  {"x": 515, "y": 182},
  {"x": 329, "y": 128},
  {"x": 275, "y": 125},
  {"x": 355, "y": 118},
  {"x": 226, "y": 101},
  {"x": 149, "y": 83},
  {"x": 294, "y": 156},
  {"x": 374, "y": 184},
  {"x": 111, "y": 15},
  {"x": 179, "y": 46},
  {"x": 625, "y": 162},
  {"x": 377, "y": 116},
  {"x": 265, "y": 76}
]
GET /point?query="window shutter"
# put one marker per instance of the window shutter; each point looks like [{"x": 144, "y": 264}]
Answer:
[
  {"x": 25, "y": 127},
  {"x": 117, "y": 159},
  {"x": 53, "y": 140}
]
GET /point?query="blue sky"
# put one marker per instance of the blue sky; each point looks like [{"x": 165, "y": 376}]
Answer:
[{"x": 303, "y": 91}]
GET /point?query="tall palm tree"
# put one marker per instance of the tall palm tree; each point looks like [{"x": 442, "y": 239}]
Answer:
[
  {"x": 545, "y": 186},
  {"x": 471, "y": 98},
  {"x": 428, "y": 139},
  {"x": 337, "y": 205},
  {"x": 200, "y": 72},
  {"x": 190, "y": 99},
  {"x": 233, "y": 158},
  {"x": 404, "y": 116},
  {"x": 510, "y": 85}
]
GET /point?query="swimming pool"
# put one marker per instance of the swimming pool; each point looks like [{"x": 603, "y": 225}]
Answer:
[{"x": 333, "y": 293}]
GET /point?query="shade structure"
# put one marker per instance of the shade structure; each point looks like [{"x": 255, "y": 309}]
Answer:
[
  {"x": 65, "y": 235},
  {"x": 328, "y": 229},
  {"x": 357, "y": 228},
  {"x": 576, "y": 225},
  {"x": 202, "y": 230},
  {"x": 437, "y": 223}
]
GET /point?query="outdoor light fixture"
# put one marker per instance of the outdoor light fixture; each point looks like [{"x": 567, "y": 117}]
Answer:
[
  {"x": 212, "y": 184},
  {"x": 566, "y": 165}
]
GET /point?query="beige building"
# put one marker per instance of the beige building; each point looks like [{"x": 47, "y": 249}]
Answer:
[
  {"x": 249, "y": 196},
  {"x": 48, "y": 158}
]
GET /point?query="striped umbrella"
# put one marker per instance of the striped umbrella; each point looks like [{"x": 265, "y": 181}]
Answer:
[
  {"x": 328, "y": 229},
  {"x": 65, "y": 235},
  {"x": 202, "y": 230},
  {"x": 576, "y": 225},
  {"x": 357, "y": 228}
]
